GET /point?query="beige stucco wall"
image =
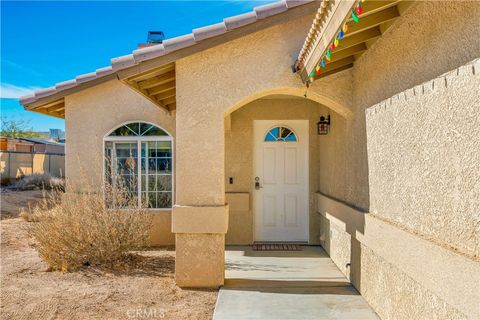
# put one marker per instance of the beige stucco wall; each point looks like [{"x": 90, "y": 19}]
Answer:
[
  {"x": 417, "y": 48},
  {"x": 240, "y": 219},
  {"x": 213, "y": 83},
  {"x": 92, "y": 113},
  {"x": 89, "y": 116},
  {"x": 423, "y": 179},
  {"x": 424, "y": 159},
  {"x": 419, "y": 259},
  {"x": 401, "y": 275}
]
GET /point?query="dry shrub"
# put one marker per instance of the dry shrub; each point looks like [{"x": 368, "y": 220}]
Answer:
[
  {"x": 35, "y": 181},
  {"x": 79, "y": 229},
  {"x": 5, "y": 181},
  {"x": 29, "y": 215}
]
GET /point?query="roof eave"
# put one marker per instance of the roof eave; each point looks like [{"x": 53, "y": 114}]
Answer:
[{"x": 176, "y": 48}]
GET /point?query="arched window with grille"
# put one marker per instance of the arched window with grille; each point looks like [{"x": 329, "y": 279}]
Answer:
[{"x": 134, "y": 143}]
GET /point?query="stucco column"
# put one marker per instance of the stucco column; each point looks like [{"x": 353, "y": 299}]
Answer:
[{"x": 200, "y": 216}]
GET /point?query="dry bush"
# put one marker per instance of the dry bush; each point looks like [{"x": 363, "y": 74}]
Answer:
[
  {"x": 29, "y": 215},
  {"x": 43, "y": 181},
  {"x": 78, "y": 228},
  {"x": 5, "y": 181}
]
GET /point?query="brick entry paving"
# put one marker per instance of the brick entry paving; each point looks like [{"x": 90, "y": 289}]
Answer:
[{"x": 287, "y": 285}]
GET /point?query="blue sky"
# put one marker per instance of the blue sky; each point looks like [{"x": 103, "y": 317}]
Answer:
[{"x": 47, "y": 42}]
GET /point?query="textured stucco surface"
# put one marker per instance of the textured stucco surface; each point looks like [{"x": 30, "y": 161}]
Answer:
[
  {"x": 215, "y": 82},
  {"x": 427, "y": 277},
  {"x": 200, "y": 219},
  {"x": 424, "y": 159},
  {"x": 240, "y": 230},
  {"x": 89, "y": 116},
  {"x": 394, "y": 295},
  {"x": 337, "y": 244},
  {"x": 199, "y": 260},
  {"x": 161, "y": 233},
  {"x": 417, "y": 48}
]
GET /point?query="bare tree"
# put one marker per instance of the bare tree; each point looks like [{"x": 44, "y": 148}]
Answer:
[{"x": 17, "y": 128}]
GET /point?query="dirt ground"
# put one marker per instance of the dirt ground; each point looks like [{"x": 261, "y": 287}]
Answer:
[
  {"x": 14, "y": 201},
  {"x": 144, "y": 291}
]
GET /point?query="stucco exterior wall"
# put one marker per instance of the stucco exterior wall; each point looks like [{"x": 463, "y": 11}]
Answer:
[
  {"x": 89, "y": 116},
  {"x": 239, "y": 144},
  {"x": 424, "y": 159},
  {"x": 422, "y": 169},
  {"x": 394, "y": 295},
  {"x": 213, "y": 83},
  {"x": 92, "y": 113},
  {"x": 417, "y": 48},
  {"x": 401, "y": 275}
]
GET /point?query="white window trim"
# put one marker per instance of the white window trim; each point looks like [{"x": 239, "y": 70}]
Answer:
[{"x": 138, "y": 140}]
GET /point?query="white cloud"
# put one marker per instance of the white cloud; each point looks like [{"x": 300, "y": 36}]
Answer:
[{"x": 10, "y": 91}]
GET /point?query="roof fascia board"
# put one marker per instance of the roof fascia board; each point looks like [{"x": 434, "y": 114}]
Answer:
[
  {"x": 63, "y": 93},
  {"x": 333, "y": 24}
]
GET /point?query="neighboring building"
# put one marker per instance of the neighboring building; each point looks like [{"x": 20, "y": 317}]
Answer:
[
  {"x": 31, "y": 145},
  {"x": 371, "y": 148},
  {"x": 15, "y": 145},
  {"x": 44, "y": 146}
]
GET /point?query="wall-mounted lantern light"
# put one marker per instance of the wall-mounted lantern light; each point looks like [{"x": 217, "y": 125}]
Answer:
[{"x": 323, "y": 125}]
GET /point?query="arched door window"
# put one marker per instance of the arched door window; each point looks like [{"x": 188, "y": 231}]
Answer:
[
  {"x": 280, "y": 134},
  {"x": 151, "y": 182}
]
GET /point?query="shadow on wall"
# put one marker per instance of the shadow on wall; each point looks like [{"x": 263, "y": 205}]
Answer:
[{"x": 346, "y": 223}]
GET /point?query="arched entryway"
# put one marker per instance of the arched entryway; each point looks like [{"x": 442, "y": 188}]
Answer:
[
  {"x": 272, "y": 165},
  {"x": 275, "y": 161},
  {"x": 214, "y": 193}
]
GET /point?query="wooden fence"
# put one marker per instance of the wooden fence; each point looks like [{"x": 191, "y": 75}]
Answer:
[{"x": 17, "y": 164}]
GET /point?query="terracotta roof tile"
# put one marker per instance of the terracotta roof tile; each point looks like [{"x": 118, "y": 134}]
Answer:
[
  {"x": 240, "y": 20},
  {"x": 104, "y": 71},
  {"x": 209, "y": 31},
  {"x": 86, "y": 77},
  {"x": 66, "y": 84},
  {"x": 270, "y": 9},
  {"x": 40, "y": 93},
  {"x": 28, "y": 98},
  {"x": 122, "y": 62},
  {"x": 179, "y": 42},
  {"x": 149, "y": 53}
]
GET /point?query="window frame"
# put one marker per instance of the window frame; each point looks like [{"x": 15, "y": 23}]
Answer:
[{"x": 138, "y": 140}]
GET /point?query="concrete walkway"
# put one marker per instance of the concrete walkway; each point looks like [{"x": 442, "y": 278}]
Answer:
[{"x": 287, "y": 285}]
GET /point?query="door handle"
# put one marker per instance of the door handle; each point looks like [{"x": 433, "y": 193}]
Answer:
[{"x": 257, "y": 183}]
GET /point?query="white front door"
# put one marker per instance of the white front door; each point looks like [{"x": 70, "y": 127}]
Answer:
[{"x": 281, "y": 178}]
